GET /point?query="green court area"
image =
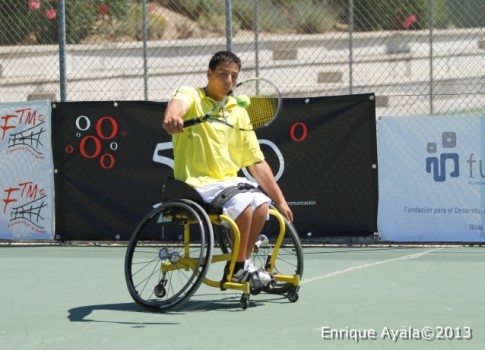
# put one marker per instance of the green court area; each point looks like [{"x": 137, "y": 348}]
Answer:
[{"x": 373, "y": 297}]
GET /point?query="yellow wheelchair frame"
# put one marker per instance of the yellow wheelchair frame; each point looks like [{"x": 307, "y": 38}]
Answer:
[{"x": 170, "y": 252}]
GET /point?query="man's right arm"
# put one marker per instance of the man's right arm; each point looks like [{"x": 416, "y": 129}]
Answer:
[{"x": 172, "y": 121}]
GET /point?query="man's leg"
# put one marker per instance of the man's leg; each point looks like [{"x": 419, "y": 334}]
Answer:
[
  {"x": 260, "y": 215},
  {"x": 250, "y": 224},
  {"x": 244, "y": 223}
]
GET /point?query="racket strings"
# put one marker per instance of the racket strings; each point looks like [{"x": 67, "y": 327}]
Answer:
[
  {"x": 262, "y": 110},
  {"x": 264, "y": 101}
]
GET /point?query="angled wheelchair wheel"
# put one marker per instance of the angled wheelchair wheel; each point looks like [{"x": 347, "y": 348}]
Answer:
[
  {"x": 168, "y": 255},
  {"x": 289, "y": 255}
]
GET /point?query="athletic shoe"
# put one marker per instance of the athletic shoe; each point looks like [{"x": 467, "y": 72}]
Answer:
[
  {"x": 240, "y": 276},
  {"x": 262, "y": 242},
  {"x": 249, "y": 266},
  {"x": 263, "y": 276},
  {"x": 258, "y": 278}
]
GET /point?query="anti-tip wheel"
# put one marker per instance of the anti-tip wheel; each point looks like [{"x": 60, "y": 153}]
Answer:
[
  {"x": 159, "y": 291},
  {"x": 244, "y": 302},
  {"x": 292, "y": 296}
]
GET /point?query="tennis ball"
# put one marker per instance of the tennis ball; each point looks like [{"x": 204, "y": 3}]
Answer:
[{"x": 243, "y": 101}]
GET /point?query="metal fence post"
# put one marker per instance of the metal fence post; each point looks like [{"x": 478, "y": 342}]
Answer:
[
  {"x": 61, "y": 9},
  {"x": 256, "y": 37},
  {"x": 431, "y": 76},
  {"x": 145, "y": 54},
  {"x": 351, "y": 52},
  {"x": 228, "y": 25}
]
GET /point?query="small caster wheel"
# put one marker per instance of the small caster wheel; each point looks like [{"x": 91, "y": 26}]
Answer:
[
  {"x": 159, "y": 291},
  {"x": 292, "y": 296},
  {"x": 244, "y": 302}
]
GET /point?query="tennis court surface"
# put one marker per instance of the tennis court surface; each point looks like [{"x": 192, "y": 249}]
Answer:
[{"x": 373, "y": 297}]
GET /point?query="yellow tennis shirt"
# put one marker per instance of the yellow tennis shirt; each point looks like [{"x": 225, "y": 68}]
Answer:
[{"x": 211, "y": 151}]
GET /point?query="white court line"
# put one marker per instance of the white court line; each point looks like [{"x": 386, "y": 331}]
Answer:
[{"x": 359, "y": 267}]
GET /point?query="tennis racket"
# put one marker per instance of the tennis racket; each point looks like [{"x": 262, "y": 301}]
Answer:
[{"x": 264, "y": 107}]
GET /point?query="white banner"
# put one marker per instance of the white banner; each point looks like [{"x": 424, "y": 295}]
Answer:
[
  {"x": 26, "y": 171},
  {"x": 431, "y": 178}
]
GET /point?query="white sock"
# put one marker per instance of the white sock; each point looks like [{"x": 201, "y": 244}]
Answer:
[{"x": 249, "y": 266}]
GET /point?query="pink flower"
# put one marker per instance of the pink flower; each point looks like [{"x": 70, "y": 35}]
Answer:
[
  {"x": 50, "y": 13},
  {"x": 409, "y": 21},
  {"x": 102, "y": 9},
  {"x": 34, "y": 5},
  {"x": 152, "y": 7}
]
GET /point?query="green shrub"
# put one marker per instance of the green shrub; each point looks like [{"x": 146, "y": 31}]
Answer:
[
  {"x": 131, "y": 25},
  {"x": 373, "y": 15},
  {"x": 35, "y": 21},
  {"x": 311, "y": 17},
  {"x": 17, "y": 21},
  {"x": 301, "y": 16},
  {"x": 272, "y": 17}
]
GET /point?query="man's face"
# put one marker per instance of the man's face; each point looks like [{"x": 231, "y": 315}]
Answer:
[{"x": 222, "y": 79}]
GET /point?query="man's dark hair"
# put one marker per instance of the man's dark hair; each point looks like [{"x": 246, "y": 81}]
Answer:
[{"x": 224, "y": 56}]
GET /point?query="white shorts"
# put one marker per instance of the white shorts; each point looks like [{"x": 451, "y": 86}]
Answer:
[{"x": 234, "y": 206}]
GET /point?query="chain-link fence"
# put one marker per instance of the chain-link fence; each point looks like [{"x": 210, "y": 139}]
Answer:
[{"x": 418, "y": 56}]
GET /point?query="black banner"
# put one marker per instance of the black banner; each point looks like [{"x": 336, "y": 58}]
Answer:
[
  {"x": 111, "y": 159},
  {"x": 106, "y": 179},
  {"x": 330, "y": 156}
]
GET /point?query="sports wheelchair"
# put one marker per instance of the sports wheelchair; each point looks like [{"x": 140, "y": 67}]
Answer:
[{"x": 171, "y": 249}]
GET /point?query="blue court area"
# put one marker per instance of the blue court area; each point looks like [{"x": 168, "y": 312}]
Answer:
[{"x": 373, "y": 297}]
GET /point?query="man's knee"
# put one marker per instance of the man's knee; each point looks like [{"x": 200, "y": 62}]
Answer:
[{"x": 262, "y": 210}]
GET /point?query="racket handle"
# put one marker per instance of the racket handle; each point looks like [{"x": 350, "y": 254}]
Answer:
[{"x": 191, "y": 122}]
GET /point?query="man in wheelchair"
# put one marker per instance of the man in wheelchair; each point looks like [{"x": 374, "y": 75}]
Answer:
[{"x": 208, "y": 156}]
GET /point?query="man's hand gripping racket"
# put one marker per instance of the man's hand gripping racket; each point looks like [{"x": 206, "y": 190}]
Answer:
[{"x": 259, "y": 96}]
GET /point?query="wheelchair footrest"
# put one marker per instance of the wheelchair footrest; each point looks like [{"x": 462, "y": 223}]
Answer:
[
  {"x": 244, "y": 287},
  {"x": 294, "y": 280}
]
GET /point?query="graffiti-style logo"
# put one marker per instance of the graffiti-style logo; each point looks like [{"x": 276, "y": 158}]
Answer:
[
  {"x": 26, "y": 204},
  {"x": 438, "y": 165},
  {"x": 97, "y": 139},
  {"x": 23, "y": 129}
]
